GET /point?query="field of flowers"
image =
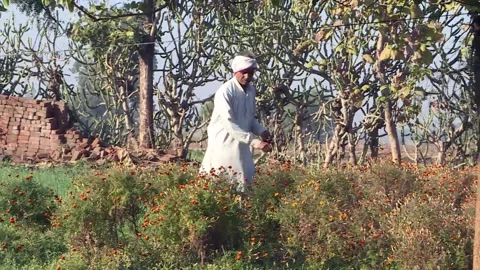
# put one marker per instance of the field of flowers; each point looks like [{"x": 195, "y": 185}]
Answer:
[{"x": 378, "y": 216}]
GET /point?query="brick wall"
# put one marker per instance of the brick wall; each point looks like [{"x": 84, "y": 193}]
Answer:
[{"x": 34, "y": 128}]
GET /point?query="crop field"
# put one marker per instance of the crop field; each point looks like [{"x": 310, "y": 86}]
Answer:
[{"x": 378, "y": 216}]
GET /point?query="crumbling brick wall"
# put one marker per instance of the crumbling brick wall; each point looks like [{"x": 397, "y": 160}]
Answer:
[{"x": 34, "y": 128}]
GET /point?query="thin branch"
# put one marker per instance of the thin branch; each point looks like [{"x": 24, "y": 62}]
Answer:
[{"x": 97, "y": 19}]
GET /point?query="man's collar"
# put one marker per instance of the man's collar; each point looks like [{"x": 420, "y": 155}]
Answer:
[{"x": 249, "y": 87}]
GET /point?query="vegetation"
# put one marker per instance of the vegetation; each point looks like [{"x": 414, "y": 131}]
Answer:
[{"x": 377, "y": 216}]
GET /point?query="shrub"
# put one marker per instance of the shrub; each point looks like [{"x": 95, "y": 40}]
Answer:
[
  {"x": 380, "y": 216},
  {"x": 25, "y": 210},
  {"x": 199, "y": 219},
  {"x": 26, "y": 202}
]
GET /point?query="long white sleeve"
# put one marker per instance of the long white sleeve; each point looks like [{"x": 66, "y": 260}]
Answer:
[
  {"x": 257, "y": 128},
  {"x": 223, "y": 103}
]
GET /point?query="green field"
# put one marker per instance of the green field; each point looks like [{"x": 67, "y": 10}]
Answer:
[{"x": 380, "y": 216}]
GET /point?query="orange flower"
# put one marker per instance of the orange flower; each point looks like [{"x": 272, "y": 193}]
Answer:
[{"x": 239, "y": 255}]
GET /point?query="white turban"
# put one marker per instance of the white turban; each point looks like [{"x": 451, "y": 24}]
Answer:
[{"x": 242, "y": 63}]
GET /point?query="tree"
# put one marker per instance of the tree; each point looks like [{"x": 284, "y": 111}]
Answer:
[
  {"x": 148, "y": 14},
  {"x": 189, "y": 62},
  {"x": 106, "y": 94}
]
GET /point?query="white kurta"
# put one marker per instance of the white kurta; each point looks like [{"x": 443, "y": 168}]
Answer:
[{"x": 230, "y": 131}]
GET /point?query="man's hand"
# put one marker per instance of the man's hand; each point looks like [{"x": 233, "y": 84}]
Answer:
[
  {"x": 266, "y": 136},
  {"x": 264, "y": 146}
]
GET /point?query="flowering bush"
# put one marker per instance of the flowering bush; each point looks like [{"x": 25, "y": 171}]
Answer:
[{"x": 377, "y": 216}]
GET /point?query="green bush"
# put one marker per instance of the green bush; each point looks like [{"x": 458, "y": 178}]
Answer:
[
  {"x": 26, "y": 202},
  {"x": 26, "y": 208}
]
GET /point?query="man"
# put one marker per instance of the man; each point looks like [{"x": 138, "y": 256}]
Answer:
[{"x": 233, "y": 124}]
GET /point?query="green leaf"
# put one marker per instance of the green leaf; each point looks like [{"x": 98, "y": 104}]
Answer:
[
  {"x": 427, "y": 57},
  {"x": 310, "y": 64},
  {"x": 323, "y": 34},
  {"x": 365, "y": 87},
  {"x": 276, "y": 3},
  {"x": 357, "y": 101},
  {"x": 385, "y": 54},
  {"x": 419, "y": 91},
  {"x": 452, "y": 6},
  {"x": 6, "y": 3},
  {"x": 423, "y": 47},
  {"x": 404, "y": 92},
  {"x": 415, "y": 11},
  {"x": 129, "y": 33},
  {"x": 339, "y": 48},
  {"x": 390, "y": 8},
  {"x": 352, "y": 50},
  {"x": 368, "y": 58},
  {"x": 70, "y": 5},
  {"x": 381, "y": 99},
  {"x": 2, "y": 8}
]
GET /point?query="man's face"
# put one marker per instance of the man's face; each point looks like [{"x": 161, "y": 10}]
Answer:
[{"x": 244, "y": 77}]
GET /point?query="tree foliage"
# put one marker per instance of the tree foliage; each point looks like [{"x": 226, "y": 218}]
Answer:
[{"x": 337, "y": 78}]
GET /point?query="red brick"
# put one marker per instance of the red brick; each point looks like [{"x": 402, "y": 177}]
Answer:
[
  {"x": 96, "y": 142},
  {"x": 76, "y": 154},
  {"x": 23, "y": 137},
  {"x": 24, "y": 132}
]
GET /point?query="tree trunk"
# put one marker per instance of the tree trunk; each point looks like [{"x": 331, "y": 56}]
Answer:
[
  {"x": 476, "y": 72},
  {"x": 476, "y": 241},
  {"x": 442, "y": 154},
  {"x": 373, "y": 143},
  {"x": 352, "y": 150},
  {"x": 131, "y": 140},
  {"x": 179, "y": 138},
  {"x": 391, "y": 129},
  {"x": 334, "y": 146},
  {"x": 390, "y": 125},
  {"x": 147, "y": 53}
]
